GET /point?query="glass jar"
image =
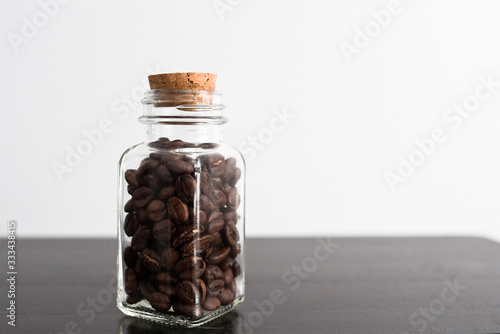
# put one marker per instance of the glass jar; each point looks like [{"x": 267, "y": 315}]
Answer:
[{"x": 181, "y": 213}]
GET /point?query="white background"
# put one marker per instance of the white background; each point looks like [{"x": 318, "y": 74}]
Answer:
[{"x": 323, "y": 172}]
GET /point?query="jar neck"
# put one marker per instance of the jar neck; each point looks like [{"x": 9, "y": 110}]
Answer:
[{"x": 189, "y": 115}]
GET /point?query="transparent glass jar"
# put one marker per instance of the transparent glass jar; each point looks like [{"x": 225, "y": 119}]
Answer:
[{"x": 181, "y": 213}]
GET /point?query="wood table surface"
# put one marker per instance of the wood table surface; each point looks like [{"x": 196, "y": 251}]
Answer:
[{"x": 307, "y": 285}]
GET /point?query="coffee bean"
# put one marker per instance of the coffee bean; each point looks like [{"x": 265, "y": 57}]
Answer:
[
  {"x": 233, "y": 287},
  {"x": 147, "y": 166},
  {"x": 206, "y": 204},
  {"x": 231, "y": 234},
  {"x": 197, "y": 246},
  {"x": 131, "y": 178},
  {"x": 156, "y": 210},
  {"x": 205, "y": 183},
  {"x": 160, "y": 302},
  {"x": 215, "y": 164},
  {"x": 231, "y": 215},
  {"x": 177, "y": 210},
  {"x": 228, "y": 276},
  {"x": 185, "y": 188},
  {"x": 139, "y": 270},
  {"x": 215, "y": 287},
  {"x": 131, "y": 284},
  {"x": 128, "y": 207},
  {"x": 218, "y": 198},
  {"x": 142, "y": 196},
  {"x": 134, "y": 299},
  {"x": 150, "y": 260},
  {"x": 212, "y": 272},
  {"x": 211, "y": 304},
  {"x": 131, "y": 224},
  {"x": 175, "y": 144},
  {"x": 226, "y": 297},
  {"x": 165, "y": 278},
  {"x": 180, "y": 167},
  {"x": 163, "y": 231},
  {"x": 152, "y": 182},
  {"x": 236, "y": 269},
  {"x": 182, "y": 237},
  {"x": 233, "y": 199},
  {"x": 215, "y": 226},
  {"x": 202, "y": 288},
  {"x": 163, "y": 173},
  {"x": 187, "y": 263},
  {"x": 142, "y": 216},
  {"x": 146, "y": 288},
  {"x": 188, "y": 293},
  {"x": 194, "y": 312},
  {"x": 217, "y": 256},
  {"x": 140, "y": 239},
  {"x": 129, "y": 256},
  {"x": 169, "y": 258},
  {"x": 169, "y": 290},
  {"x": 166, "y": 193},
  {"x": 236, "y": 176},
  {"x": 217, "y": 240},
  {"x": 197, "y": 218},
  {"x": 235, "y": 250},
  {"x": 191, "y": 271}
]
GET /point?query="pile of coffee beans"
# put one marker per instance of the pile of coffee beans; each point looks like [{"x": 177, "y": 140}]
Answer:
[{"x": 182, "y": 219}]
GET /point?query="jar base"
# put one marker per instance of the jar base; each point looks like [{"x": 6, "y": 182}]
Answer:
[{"x": 144, "y": 312}]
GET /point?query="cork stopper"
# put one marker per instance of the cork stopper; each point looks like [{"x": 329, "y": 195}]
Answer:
[{"x": 186, "y": 81}]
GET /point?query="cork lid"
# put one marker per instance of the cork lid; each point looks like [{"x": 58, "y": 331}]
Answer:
[{"x": 185, "y": 81}]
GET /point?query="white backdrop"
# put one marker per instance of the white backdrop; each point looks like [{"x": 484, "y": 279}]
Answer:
[{"x": 356, "y": 117}]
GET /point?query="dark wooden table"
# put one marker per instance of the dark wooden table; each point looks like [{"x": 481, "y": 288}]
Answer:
[{"x": 345, "y": 285}]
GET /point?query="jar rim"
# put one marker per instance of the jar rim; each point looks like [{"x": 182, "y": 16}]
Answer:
[{"x": 188, "y": 99}]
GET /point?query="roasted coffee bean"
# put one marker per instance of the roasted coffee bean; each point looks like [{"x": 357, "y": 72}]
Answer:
[
  {"x": 182, "y": 237},
  {"x": 206, "y": 204},
  {"x": 218, "y": 198},
  {"x": 226, "y": 297},
  {"x": 156, "y": 210},
  {"x": 131, "y": 224},
  {"x": 180, "y": 167},
  {"x": 194, "y": 312},
  {"x": 211, "y": 304},
  {"x": 146, "y": 288},
  {"x": 205, "y": 183},
  {"x": 217, "y": 240},
  {"x": 236, "y": 269},
  {"x": 215, "y": 226},
  {"x": 150, "y": 260},
  {"x": 227, "y": 263},
  {"x": 164, "y": 231},
  {"x": 233, "y": 287},
  {"x": 197, "y": 219},
  {"x": 230, "y": 167},
  {"x": 218, "y": 255},
  {"x": 185, "y": 187},
  {"x": 228, "y": 276},
  {"x": 177, "y": 210},
  {"x": 142, "y": 196},
  {"x": 139, "y": 270},
  {"x": 188, "y": 293},
  {"x": 131, "y": 178},
  {"x": 216, "y": 182},
  {"x": 233, "y": 199},
  {"x": 197, "y": 246},
  {"x": 163, "y": 173},
  {"x": 231, "y": 215},
  {"x": 215, "y": 287},
  {"x": 169, "y": 290},
  {"x": 140, "y": 239},
  {"x": 169, "y": 258},
  {"x": 165, "y": 278},
  {"x": 212, "y": 272},
  {"x": 160, "y": 301},
  {"x": 129, "y": 256},
  {"x": 214, "y": 216},
  {"x": 142, "y": 216},
  {"x": 226, "y": 188},
  {"x": 128, "y": 207},
  {"x": 236, "y": 176},
  {"x": 230, "y": 233},
  {"x": 215, "y": 164},
  {"x": 152, "y": 182},
  {"x": 235, "y": 250},
  {"x": 190, "y": 267},
  {"x": 168, "y": 156},
  {"x": 134, "y": 299},
  {"x": 147, "y": 166},
  {"x": 175, "y": 144},
  {"x": 131, "y": 284},
  {"x": 166, "y": 193},
  {"x": 202, "y": 288}
]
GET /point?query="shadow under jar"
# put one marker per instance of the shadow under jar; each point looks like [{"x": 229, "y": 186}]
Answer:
[{"x": 181, "y": 213}]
